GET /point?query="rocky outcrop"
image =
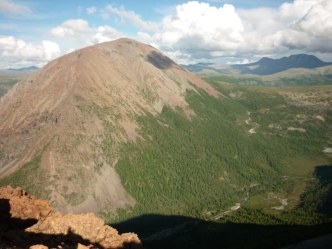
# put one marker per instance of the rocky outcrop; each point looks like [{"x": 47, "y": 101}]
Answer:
[
  {"x": 23, "y": 206},
  {"x": 27, "y": 222}
]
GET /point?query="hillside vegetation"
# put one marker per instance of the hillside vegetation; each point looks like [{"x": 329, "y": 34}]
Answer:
[
  {"x": 264, "y": 143},
  {"x": 120, "y": 129},
  {"x": 253, "y": 156}
]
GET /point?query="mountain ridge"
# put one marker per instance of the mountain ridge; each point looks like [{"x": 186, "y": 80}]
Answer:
[
  {"x": 266, "y": 66},
  {"x": 30, "y": 68},
  {"x": 66, "y": 121}
]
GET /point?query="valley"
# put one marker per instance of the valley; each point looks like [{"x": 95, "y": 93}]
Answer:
[
  {"x": 180, "y": 161},
  {"x": 279, "y": 162},
  {"x": 177, "y": 124}
]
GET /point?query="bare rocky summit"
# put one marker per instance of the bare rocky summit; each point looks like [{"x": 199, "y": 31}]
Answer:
[
  {"x": 65, "y": 122},
  {"x": 27, "y": 222}
]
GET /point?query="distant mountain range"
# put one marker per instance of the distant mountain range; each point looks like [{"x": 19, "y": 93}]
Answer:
[
  {"x": 18, "y": 71},
  {"x": 31, "y": 68},
  {"x": 195, "y": 68},
  {"x": 267, "y": 66},
  {"x": 264, "y": 66}
]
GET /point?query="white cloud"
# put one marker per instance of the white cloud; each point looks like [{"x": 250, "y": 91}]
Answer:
[
  {"x": 200, "y": 30},
  {"x": 71, "y": 27},
  {"x": 310, "y": 30},
  {"x": 91, "y": 10},
  {"x": 196, "y": 30},
  {"x": 51, "y": 50},
  {"x": 244, "y": 61},
  {"x": 318, "y": 20},
  {"x": 129, "y": 16},
  {"x": 105, "y": 33},
  {"x": 78, "y": 33},
  {"x": 17, "y": 52},
  {"x": 9, "y": 7}
]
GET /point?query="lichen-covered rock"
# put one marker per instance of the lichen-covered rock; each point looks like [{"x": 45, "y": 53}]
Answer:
[
  {"x": 88, "y": 226},
  {"x": 23, "y": 206},
  {"x": 27, "y": 222}
]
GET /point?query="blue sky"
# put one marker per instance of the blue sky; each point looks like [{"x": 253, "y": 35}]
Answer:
[{"x": 33, "y": 32}]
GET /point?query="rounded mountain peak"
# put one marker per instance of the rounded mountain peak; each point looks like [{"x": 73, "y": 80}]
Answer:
[{"x": 67, "y": 107}]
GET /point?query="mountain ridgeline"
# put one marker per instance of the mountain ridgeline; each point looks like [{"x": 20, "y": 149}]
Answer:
[
  {"x": 266, "y": 66},
  {"x": 295, "y": 70},
  {"x": 121, "y": 130}
]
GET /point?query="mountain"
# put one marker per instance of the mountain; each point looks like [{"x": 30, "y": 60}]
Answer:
[
  {"x": 291, "y": 77},
  {"x": 15, "y": 72},
  {"x": 31, "y": 68},
  {"x": 61, "y": 128},
  {"x": 207, "y": 68},
  {"x": 121, "y": 130},
  {"x": 9, "y": 77},
  {"x": 196, "y": 68},
  {"x": 266, "y": 66}
]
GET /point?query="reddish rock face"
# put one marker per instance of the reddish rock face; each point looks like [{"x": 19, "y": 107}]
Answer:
[
  {"x": 23, "y": 206},
  {"x": 27, "y": 222}
]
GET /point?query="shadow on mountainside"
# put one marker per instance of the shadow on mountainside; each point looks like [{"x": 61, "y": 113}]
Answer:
[
  {"x": 159, "y": 231},
  {"x": 13, "y": 234},
  {"x": 171, "y": 231},
  {"x": 159, "y": 60},
  {"x": 324, "y": 174}
]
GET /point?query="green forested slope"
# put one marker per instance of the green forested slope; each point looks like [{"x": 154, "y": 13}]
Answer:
[{"x": 205, "y": 164}]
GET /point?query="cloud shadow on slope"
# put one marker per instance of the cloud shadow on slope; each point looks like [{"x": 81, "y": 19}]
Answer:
[{"x": 159, "y": 60}]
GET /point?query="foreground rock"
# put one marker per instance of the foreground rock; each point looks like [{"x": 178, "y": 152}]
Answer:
[{"x": 26, "y": 222}]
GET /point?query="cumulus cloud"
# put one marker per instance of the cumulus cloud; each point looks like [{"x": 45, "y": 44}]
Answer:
[
  {"x": 9, "y": 7},
  {"x": 17, "y": 52},
  {"x": 310, "y": 30},
  {"x": 199, "y": 30},
  {"x": 91, "y": 10},
  {"x": 81, "y": 34},
  {"x": 129, "y": 16},
  {"x": 71, "y": 27},
  {"x": 105, "y": 33},
  {"x": 244, "y": 61},
  {"x": 195, "y": 31},
  {"x": 318, "y": 20}
]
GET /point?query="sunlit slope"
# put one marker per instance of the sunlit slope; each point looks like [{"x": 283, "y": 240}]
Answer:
[
  {"x": 62, "y": 127},
  {"x": 256, "y": 147}
]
